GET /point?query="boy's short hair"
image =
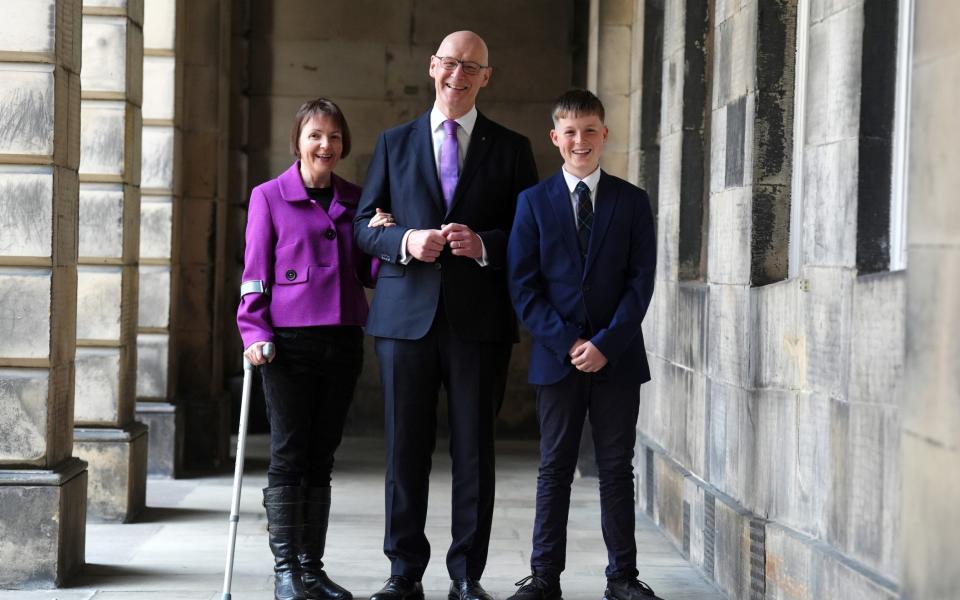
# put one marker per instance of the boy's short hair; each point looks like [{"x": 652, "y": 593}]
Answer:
[
  {"x": 313, "y": 108},
  {"x": 577, "y": 103}
]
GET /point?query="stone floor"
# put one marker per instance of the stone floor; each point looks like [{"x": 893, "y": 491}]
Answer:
[{"x": 175, "y": 550}]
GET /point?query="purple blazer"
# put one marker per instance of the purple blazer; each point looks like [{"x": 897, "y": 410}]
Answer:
[{"x": 301, "y": 265}]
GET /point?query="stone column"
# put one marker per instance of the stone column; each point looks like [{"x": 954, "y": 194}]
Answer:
[
  {"x": 42, "y": 487},
  {"x": 159, "y": 199},
  {"x": 106, "y": 434},
  {"x": 931, "y": 405}
]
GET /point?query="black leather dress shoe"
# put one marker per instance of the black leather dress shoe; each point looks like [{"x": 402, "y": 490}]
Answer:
[
  {"x": 467, "y": 589},
  {"x": 628, "y": 588},
  {"x": 538, "y": 587},
  {"x": 399, "y": 587}
]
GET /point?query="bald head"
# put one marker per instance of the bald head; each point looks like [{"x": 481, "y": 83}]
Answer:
[
  {"x": 455, "y": 88},
  {"x": 463, "y": 40}
]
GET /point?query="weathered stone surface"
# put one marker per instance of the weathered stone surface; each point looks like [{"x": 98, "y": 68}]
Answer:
[
  {"x": 826, "y": 314},
  {"x": 165, "y": 444},
  {"x": 97, "y": 386},
  {"x": 25, "y": 299},
  {"x": 157, "y": 157},
  {"x": 829, "y": 204},
  {"x": 732, "y": 549},
  {"x": 613, "y": 72},
  {"x": 154, "y": 296},
  {"x": 117, "y": 461},
  {"x": 159, "y": 87},
  {"x": 29, "y": 26},
  {"x": 99, "y": 302},
  {"x": 833, "y": 77},
  {"x": 156, "y": 227},
  {"x": 727, "y": 447},
  {"x": 26, "y": 123},
  {"x": 789, "y": 566},
  {"x": 728, "y": 253},
  {"x": 159, "y": 24},
  {"x": 104, "y": 53},
  {"x": 878, "y": 339},
  {"x": 815, "y": 448},
  {"x": 934, "y": 222},
  {"x": 781, "y": 352},
  {"x": 668, "y": 511},
  {"x": 101, "y": 220},
  {"x": 24, "y": 394},
  {"x": 26, "y": 211},
  {"x": 42, "y": 530},
  {"x": 770, "y": 421},
  {"x": 691, "y": 338},
  {"x": 730, "y": 346},
  {"x": 735, "y": 63},
  {"x": 152, "y": 349},
  {"x": 102, "y": 134},
  {"x": 351, "y": 20}
]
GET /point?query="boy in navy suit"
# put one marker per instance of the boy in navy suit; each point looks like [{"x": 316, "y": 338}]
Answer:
[{"x": 581, "y": 260}]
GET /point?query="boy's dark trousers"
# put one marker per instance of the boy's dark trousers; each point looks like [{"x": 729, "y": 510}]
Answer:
[{"x": 561, "y": 408}]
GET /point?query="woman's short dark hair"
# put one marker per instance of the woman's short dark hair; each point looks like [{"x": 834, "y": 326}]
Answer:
[
  {"x": 577, "y": 103},
  {"x": 317, "y": 107}
]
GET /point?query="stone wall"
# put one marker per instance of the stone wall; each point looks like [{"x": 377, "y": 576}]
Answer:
[
  {"x": 769, "y": 445},
  {"x": 43, "y": 487},
  {"x": 931, "y": 409}
]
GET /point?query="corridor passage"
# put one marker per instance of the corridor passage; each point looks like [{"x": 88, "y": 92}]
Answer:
[{"x": 175, "y": 549}]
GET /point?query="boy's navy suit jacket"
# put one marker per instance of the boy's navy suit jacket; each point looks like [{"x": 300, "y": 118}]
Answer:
[{"x": 560, "y": 296}]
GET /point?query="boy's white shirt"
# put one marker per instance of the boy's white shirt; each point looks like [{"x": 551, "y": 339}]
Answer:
[{"x": 591, "y": 180}]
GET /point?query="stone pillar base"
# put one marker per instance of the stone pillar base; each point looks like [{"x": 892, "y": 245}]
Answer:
[
  {"x": 43, "y": 519},
  {"x": 118, "y": 470},
  {"x": 165, "y": 450}
]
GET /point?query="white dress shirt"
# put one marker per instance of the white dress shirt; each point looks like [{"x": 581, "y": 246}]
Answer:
[
  {"x": 464, "y": 131},
  {"x": 591, "y": 180}
]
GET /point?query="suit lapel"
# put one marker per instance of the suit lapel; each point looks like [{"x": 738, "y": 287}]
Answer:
[
  {"x": 477, "y": 150},
  {"x": 423, "y": 151},
  {"x": 603, "y": 207},
  {"x": 559, "y": 196}
]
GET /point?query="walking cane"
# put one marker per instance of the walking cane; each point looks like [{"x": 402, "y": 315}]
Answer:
[{"x": 238, "y": 467}]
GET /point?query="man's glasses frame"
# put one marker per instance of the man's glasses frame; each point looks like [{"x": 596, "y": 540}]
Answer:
[{"x": 470, "y": 67}]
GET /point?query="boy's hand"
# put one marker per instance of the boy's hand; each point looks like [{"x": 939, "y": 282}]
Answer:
[{"x": 586, "y": 357}]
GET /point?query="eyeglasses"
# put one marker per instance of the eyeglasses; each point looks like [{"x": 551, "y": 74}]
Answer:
[{"x": 469, "y": 67}]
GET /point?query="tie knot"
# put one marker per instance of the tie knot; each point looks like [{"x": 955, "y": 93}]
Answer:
[
  {"x": 581, "y": 189},
  {"x": 450, "y": 126}
]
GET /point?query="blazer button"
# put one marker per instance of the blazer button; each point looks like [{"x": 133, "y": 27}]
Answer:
[
  {"x": 586, "y": 288},
  {"x": 330, "y": 234},
  {"x": 437, "y": 266},
  {"x": 290, "y": 274}
]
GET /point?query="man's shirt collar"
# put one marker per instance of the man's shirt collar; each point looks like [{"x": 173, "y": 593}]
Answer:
[{"x": 467, "y": 121}]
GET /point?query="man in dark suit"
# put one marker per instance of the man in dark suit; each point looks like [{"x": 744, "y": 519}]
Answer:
[
  {"x": 581, "y": 259},
  {"x": 441, "y": 313}
]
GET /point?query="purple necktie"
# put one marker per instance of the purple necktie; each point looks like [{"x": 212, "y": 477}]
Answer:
[{"x": 449, "y": 168}]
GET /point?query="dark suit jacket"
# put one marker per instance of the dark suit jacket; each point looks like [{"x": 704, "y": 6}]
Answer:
[
  {"x": 560, "y": 297},
  {"x": 402, "y": 180}
]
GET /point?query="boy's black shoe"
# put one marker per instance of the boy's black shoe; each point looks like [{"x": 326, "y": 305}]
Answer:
[
  {"x": 628, "y": 588},
  {"x": 538, "y": 587},
  {"x": 399, "y": 587}
]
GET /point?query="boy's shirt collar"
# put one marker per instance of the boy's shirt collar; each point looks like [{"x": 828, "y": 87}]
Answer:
[{"x": 591, "y": 180}]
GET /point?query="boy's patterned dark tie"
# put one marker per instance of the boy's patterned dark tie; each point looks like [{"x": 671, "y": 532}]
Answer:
[{"x": 584, "y": 215}]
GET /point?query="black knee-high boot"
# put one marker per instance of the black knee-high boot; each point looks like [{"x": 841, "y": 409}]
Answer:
[
  {"x": 316, "y": 517},
  {"x": 284, "y": 527}
]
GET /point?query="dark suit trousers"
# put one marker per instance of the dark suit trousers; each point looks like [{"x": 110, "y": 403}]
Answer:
[
  {"x": 473, "y": 374},
  {"x": 561, "y": 409}
]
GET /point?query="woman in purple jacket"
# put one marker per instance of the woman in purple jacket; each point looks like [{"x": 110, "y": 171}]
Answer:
[{"x": 302, "y": 289}]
